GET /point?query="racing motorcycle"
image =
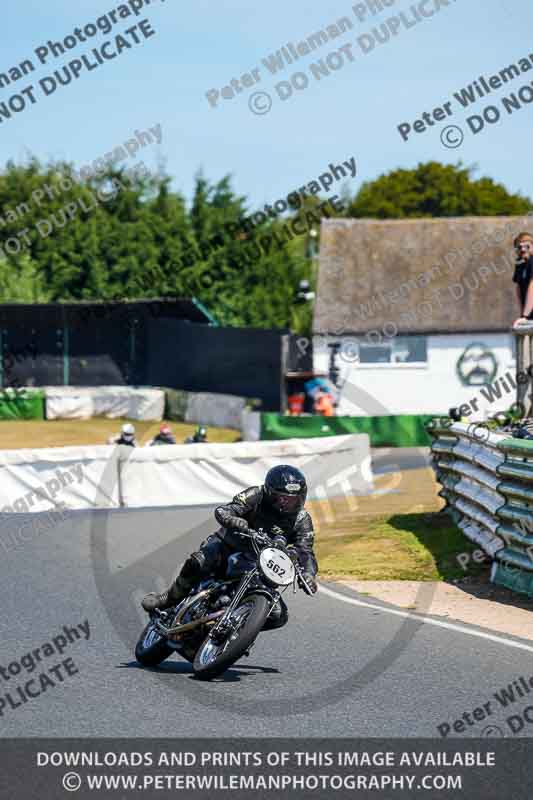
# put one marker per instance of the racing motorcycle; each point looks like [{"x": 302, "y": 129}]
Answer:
[{"x": 219, "y": 621}]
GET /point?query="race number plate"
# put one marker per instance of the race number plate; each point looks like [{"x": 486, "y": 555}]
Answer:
[{"x": 276, "y": 566}]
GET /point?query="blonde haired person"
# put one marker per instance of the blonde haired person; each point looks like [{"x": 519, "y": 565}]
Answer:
[{"x": 523, "y": 275}]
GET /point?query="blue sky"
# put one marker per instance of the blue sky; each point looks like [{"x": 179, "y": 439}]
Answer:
[{"x": 201, "y": 46}]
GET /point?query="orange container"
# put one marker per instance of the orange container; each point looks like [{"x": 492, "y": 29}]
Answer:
[{"x": 296, "y": 404}]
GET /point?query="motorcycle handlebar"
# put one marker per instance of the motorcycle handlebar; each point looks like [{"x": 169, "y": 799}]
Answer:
[
  {"x": 277, "y": 541},
  {"x": 251, "y": 534}
]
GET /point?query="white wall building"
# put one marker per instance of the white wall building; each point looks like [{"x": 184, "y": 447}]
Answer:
[
  {"x": 430, "y": 385},
  {"x": 422, "y": 311}
]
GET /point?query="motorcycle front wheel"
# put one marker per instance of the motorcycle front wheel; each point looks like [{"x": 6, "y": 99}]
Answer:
[{"x": 213, "y": 657}]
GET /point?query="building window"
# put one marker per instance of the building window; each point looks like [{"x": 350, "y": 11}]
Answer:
[{"x": 398, "y": 350}]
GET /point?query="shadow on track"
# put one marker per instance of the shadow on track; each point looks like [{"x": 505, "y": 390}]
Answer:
[{"x": 232, "y": 675}]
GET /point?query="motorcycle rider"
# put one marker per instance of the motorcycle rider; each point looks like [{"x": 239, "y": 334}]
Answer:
[
  {"x": 278, "y": 508},
  {"x": 126, "y": 436},
  {"x": 165, "y": 436}
]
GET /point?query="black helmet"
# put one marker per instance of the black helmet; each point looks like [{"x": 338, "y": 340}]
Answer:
[{"x": 285, "y": 489}]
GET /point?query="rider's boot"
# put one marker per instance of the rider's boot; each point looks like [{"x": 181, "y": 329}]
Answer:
[{"x": 178, "y": 590}]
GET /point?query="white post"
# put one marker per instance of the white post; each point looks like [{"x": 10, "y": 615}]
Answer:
[{"x": 524, "y": 368}]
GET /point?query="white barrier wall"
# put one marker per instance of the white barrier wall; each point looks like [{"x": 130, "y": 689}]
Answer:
[
  {"x": 222, "y": 410},
  {"x": 206, "y": 474},
  {"x": 251, "y": 425},
  {"x": 73, "y": 402},
  {"x": 58, "y": 477},
  {"x": 203, "y": 474}
]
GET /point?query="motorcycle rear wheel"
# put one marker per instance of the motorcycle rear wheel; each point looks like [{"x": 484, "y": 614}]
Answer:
[{"x": 213, "y": 659}]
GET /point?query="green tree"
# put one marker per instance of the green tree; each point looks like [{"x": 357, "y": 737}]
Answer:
[
  {"x": 435, "y": 190},
  {"x": 21, "y": 281},
  {"x": 130, "y": 236},
  {"x": 245, "y": 275}
]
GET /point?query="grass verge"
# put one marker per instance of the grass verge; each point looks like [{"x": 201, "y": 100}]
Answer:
[
  {"x": 414, "y": 547},
  {"x": 15, "y": 434},
  {"x": 397, "y": 533}
]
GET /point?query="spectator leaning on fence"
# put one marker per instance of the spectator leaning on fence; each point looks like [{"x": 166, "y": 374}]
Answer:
[
  {"x": 165, "y": 436},
  {"x": 523, "y": 275},
  {"x": 125, "y": 437}
]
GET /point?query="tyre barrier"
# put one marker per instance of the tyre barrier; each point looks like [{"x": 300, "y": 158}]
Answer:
[{"x": 487, "y": 483}]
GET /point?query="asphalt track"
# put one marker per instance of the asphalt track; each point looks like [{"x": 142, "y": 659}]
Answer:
[
  {"x": 391, "y": 459},
  {"x": 337, "y": 669}
]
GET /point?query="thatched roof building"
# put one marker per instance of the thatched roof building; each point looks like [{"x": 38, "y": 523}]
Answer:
[{"x": 446, "y": 275}]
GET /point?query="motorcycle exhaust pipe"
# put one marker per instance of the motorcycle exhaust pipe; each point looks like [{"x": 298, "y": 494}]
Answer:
[{"x": 189, "y": 626}]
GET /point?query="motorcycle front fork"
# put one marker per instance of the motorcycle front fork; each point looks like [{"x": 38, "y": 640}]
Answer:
[{"x": 223, "y": 626}]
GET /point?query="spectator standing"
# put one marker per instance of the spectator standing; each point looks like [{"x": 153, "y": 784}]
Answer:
[
  {"x": 199, "y": 436},
  {"x": 126, "y": 436},
  {"x": 522, "y": 277},
  {"x": 165, "y": 436}
]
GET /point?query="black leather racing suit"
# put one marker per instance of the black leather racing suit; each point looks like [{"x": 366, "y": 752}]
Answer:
[{"x": 252, "y": 506}]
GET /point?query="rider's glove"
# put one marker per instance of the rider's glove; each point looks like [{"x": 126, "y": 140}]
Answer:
[
  {"x": 278, "y": 537},
  {"x": 311, "y": 582},
  {"x": 238, "y": 524},
  {"x": 293, "y": 555}
]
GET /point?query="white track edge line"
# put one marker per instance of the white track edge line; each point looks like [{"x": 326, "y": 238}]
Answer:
[{"x": 427, "y": 620}]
